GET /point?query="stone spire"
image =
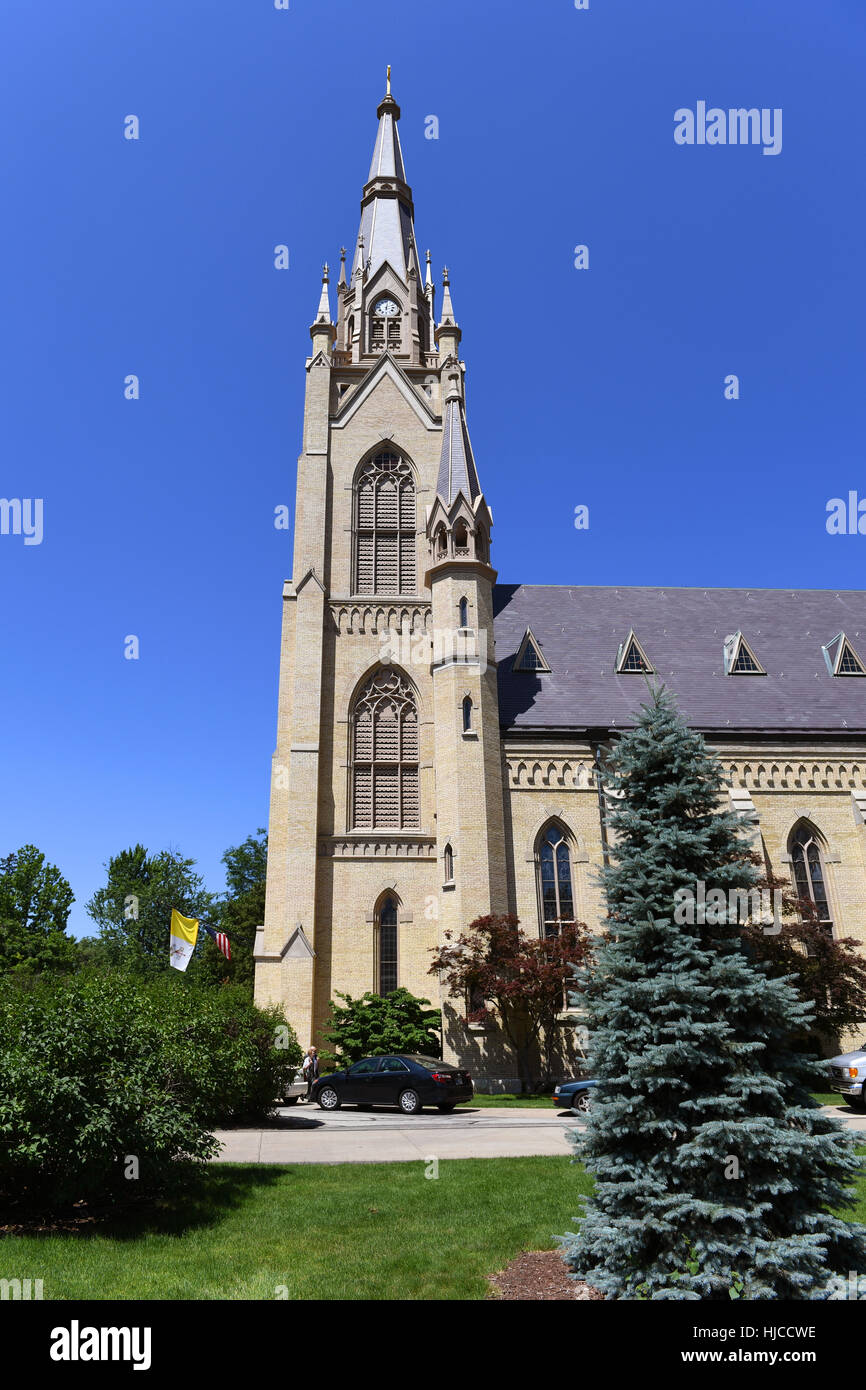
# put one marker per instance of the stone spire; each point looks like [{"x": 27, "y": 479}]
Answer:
[
  {"x": 447, "y": 307},
  {"x": 457, "y": 471},
  {"x": 387, "y": 211},
  {"x": 323, "y": 313}
]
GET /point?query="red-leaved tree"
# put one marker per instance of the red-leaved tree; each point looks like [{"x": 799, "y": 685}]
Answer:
[{"x": 515, "y": 980}]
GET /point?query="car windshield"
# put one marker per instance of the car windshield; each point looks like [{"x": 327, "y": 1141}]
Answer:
[{"x": 433, "y": 1062}]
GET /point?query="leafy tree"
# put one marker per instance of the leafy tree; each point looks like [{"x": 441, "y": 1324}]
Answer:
[
  {"x": 715, "y": 1170},
  {"x": 376, "y": 1023},
  {"x": 133, "y": 910},
  {"x": 493, "y": 962},
  {"x": 110, "y": 1082},
  {"x": 828, "y": 973},
  {"x": 238, "y": 916},
  {"x": 35, "y": 900}
]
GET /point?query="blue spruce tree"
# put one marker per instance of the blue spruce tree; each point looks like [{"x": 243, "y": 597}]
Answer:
[{"x": 715, "y": 1172}]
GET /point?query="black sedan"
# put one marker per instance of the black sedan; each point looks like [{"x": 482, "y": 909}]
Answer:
[
  {"x": 574, "y": 1096},
  {"x": 408, "y": 1081}
]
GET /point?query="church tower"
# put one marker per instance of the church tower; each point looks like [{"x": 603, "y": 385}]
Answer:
[{"x": 386, "y": 818}]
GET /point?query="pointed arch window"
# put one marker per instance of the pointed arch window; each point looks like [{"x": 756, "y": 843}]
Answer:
[
  {"x": 387, "y": 945},
  {"x": 464, "y": 612},
  {"x": 385, "y": 523},
  {"x": 808, "y": 866},
  {"x": 467, "y": 714},
  {"x": 555, "y": 892},
  {"x": 385, "y": 755},
  {"x": 448, "y": 861}
]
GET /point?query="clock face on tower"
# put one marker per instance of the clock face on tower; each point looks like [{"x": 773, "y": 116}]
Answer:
[{"x": 386, "y": 308}]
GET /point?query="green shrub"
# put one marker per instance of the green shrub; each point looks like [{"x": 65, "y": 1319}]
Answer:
[
  {"x": 100, "y": 1069},
  {"x": 377, "y": 1023}
]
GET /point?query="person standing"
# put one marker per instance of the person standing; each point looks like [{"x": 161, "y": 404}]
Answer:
[{"x": 311, "y": 1068}]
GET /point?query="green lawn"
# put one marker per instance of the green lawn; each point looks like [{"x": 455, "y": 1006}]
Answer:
[
  {"x": 544, "y": 1102},
  {"x": 343, "y": 1231},
  {"x": 513, "y": 1102}
]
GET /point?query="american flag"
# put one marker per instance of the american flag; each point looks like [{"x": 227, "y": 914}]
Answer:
[{"x": 222, "y": 941}]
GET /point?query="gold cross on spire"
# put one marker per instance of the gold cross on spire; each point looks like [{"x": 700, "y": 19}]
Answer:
[{"x": 388, "y": 78}]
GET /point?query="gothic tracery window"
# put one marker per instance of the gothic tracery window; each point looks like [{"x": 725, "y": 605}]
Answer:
[
  {"x": 554, "y": 881},
  {"x": 807, "y": 862},
  {"x": 385, "y": 755},
  {"x": 385, "y": 527}
]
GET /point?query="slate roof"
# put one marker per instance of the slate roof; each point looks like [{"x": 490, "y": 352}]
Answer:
[
  {"x": 457, "y": 471},
  {"x": 682, "y": 632}
]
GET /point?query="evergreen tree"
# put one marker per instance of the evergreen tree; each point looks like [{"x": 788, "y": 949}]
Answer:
[{"x": 715, "y": 1170}]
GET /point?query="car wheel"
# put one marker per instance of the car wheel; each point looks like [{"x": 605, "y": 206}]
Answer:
[
  {"x": 410, "y": 1102},
  {"x": 328, "y": 1098},
  {"x": 581, "y": 1103},
  {"x": 445, "y": 1109},
  {"x": 290, "y": 1100}
]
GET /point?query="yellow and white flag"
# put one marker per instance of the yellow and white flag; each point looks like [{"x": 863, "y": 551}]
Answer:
[{"x": 184, "y": 935}]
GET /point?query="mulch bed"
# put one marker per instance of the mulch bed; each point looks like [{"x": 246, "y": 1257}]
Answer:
[{"x": 539, "y": 1274}]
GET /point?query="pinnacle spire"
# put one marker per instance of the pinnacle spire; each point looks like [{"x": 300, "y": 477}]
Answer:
[
  {"x": 447, "y": 306},
  {"x": 323, "y": 313}
]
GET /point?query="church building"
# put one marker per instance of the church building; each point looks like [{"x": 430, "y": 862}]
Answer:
[{"x": 439, "y": 734}]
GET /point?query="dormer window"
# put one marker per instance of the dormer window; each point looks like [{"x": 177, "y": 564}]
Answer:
[
  {"x": 631, "y": 659},
  {"x": 740, "y": 660},
  {"x": 841, "y": 658},
  {"x": 529, "y": 656},
  {"x": 385, "y": 331}
]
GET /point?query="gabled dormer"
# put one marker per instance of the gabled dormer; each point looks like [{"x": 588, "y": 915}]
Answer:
[
  {"x": 530, "y": 657},
  {"x": 842, "y": 659},
  {"x": 631, "y": 659},
  {"x": 740, "y": 659}
]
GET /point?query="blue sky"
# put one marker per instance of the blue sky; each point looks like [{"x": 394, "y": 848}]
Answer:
[{"x": 603, "y": 387}]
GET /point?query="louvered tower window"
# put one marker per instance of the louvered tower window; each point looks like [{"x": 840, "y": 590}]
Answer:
[
  {"x": 385, "y": 755},
  {"x": 385, "y": 527},
  {"x": 554, "y": 881},
  {"x": 808, "y": 864},
  {"x": 385, "y": 331}
]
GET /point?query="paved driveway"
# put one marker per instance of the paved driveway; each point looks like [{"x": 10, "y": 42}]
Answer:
[
  {"x": 302, "y": 1134},
  {"x": 306, "y": 1134}
]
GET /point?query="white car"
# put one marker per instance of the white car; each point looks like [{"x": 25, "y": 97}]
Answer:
[
  {"x": 848, "y": 1075},
  {"x": 295, "y": 1089}
]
